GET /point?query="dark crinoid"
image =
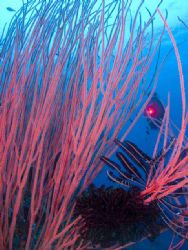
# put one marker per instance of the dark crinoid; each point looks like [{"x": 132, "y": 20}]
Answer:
[{"x": 115, "y": 216}]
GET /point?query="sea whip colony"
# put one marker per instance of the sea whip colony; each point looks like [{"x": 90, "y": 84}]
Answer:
[{"x": 71, "y": 76}]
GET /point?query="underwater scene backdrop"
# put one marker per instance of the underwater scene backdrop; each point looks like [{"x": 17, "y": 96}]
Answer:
[{"x": 93, "y": 124}]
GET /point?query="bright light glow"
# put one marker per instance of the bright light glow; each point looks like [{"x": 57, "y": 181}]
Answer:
[{"x": 150, "y": 111}]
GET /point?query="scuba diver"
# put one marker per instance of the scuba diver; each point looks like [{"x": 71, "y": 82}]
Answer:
[{"x": 154, "y": 113}]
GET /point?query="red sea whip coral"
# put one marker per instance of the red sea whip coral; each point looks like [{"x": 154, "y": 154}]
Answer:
[
  {"x": 70, "y": 78},
  {"x": 166, "y": 179}
]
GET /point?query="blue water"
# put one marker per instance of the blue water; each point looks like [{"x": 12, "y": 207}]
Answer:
[{"x": 168, "y": 83}]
